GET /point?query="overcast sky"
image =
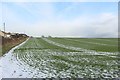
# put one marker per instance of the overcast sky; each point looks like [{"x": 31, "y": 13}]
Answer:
[{"x": 70, "y": 19}]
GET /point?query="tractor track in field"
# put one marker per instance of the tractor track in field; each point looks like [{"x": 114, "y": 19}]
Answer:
[
  {"x": 78, "y": 49},
  {"x": 92, "y": 42}
]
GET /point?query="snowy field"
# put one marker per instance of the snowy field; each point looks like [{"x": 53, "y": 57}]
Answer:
[{"x": 62, "y": 57}]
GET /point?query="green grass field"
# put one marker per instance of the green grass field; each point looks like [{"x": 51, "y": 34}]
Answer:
[{"x": 71, "y": 57}]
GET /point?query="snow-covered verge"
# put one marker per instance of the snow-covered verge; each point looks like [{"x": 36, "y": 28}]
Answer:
[
  {"x": 11, "y": 68},
  {"x": 8, "y": 64}
]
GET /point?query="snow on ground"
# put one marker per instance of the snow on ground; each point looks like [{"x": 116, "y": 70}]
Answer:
[
  {"x": 78, "y": 49},
  {"x": 12, "y": 67},
  {"x": 9, "y": 67}
]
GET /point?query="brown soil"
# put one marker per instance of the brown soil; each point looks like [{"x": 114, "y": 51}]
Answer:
[{"x": 8, "y": 43}]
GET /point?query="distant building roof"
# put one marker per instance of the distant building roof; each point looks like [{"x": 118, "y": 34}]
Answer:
[{"x": 2, "y": 33}]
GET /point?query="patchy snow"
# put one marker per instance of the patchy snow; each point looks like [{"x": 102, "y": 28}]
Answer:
[
  {"x": 10, "y": 67},
  {"x": 78, "y": 49},
  {"x": 17, "y": 65}
]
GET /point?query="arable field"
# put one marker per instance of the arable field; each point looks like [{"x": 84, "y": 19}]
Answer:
[{"x": 71, "y": 57}]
